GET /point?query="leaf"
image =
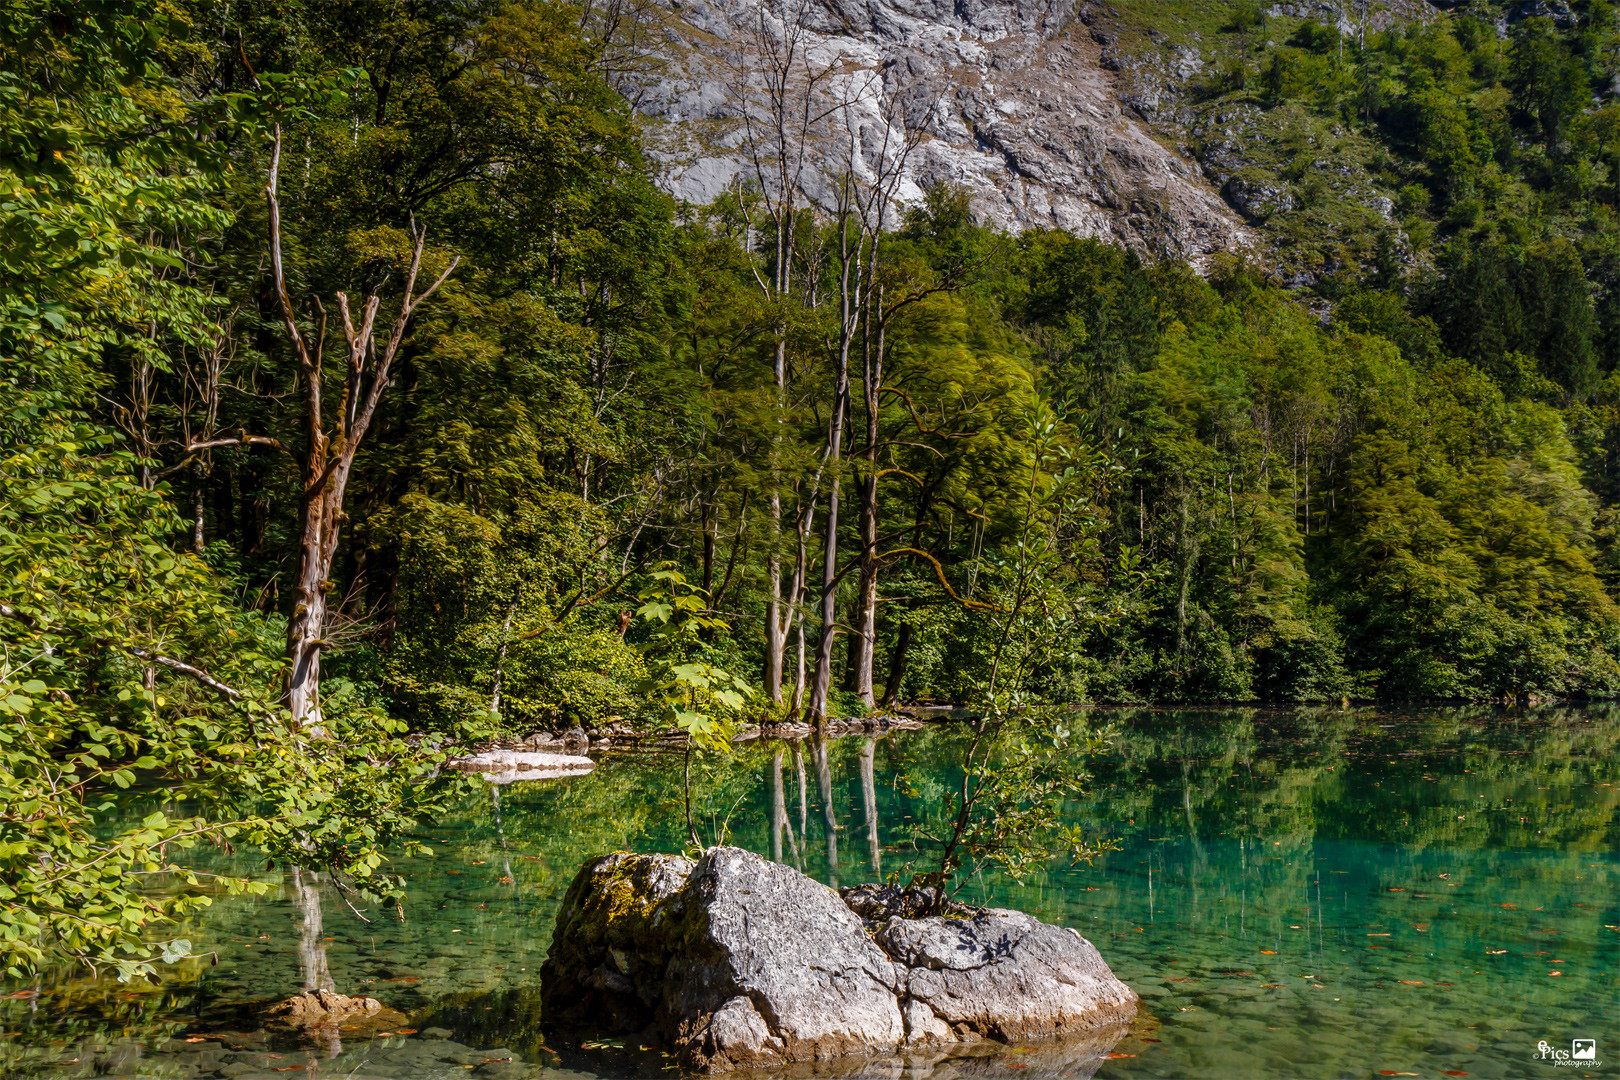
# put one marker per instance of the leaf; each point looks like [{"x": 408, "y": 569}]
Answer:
[{"x": 656, "y": 611}]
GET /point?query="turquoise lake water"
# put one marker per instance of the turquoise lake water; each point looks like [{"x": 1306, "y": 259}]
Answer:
[{"x": 1333, "y": 893}]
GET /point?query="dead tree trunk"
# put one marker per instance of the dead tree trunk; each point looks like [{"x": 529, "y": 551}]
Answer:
[
  {"x": 874, "y": 201},
  {"x": 864, "y": 638},
  {"x": 780, "y": 94},
  {"x": 330, "y": 447},
  {"x": 849, "y": 279},
  {"x": 500, "y": 652}
]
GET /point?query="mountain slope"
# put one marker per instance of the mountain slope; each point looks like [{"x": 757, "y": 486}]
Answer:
[{"x": 1013, "y": 99}]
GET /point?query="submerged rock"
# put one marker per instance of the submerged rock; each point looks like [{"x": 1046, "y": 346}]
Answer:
[
  {"x": 320, "y": 1007},
  {"x": 740, "y": 962}
]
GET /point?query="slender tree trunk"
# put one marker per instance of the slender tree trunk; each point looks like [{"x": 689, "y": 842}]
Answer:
[
  {"x": 795, "y": 608},
  {"x": 849, "y": 299},
  {"x": 500, "y": 653},
  {"x": 776, "y": 625},
  {"x": 897, "y": 665},
  {"x": 707, "y": 524},
  {"x": 866, "y": 591},
  {"x": 308, "y": 620},
  {"x": 822, "y": 686},
  {"x": 198, "y": 503},
  {"x": 799, "y": 662},
  {"x": 776, "y": 620},
  {"x": 866, "y": 597},
  {"x": 1184, "y": 550}
]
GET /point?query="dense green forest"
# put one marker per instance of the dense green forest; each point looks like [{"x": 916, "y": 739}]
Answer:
[{"x": 356, "y": 379}]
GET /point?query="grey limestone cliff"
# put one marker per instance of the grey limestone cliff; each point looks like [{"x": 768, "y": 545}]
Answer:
[{"x": 1011, "y": 100}]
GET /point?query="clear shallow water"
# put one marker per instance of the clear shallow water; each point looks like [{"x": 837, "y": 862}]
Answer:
[{"x": 1295, "y": 894}]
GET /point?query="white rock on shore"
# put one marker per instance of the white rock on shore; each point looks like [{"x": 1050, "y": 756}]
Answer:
[{"x": 509, "y": 766}]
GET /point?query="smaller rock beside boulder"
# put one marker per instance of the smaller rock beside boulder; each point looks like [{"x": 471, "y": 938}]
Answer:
[{"x": 1003, "y": 975}]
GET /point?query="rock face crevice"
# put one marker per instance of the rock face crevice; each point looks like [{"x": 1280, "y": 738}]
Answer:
[{"x": 739, "y": 962}]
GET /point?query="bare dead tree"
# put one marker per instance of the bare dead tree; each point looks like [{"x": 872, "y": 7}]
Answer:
[
  {"x": 868, "y": 196},
  {"x": 327, "y": 458},
  {"x": 202, "y": 377},
  {"x": 783, "y": 103},
  {"x": 851, "y": 270},
  {"x": 627, "y": 35}
]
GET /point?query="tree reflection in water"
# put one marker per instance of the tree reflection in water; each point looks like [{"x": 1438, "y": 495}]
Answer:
[
  {"x": 869, "y": 806},
  {"x": 1404, "y": 868},
  {"x": 819, "y": 750}
]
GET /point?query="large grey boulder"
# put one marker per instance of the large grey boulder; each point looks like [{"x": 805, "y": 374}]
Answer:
[{"x": 739, "y": 962}]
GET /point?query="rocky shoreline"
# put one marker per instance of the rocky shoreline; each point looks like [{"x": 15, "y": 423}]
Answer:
[{"x": 618, "y": 736}]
